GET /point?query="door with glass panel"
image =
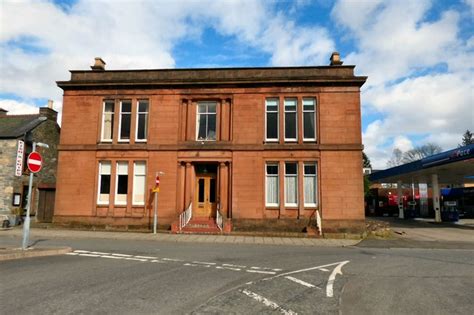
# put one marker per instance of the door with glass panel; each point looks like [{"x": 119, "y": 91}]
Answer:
[{"x": 205, "y": 196}]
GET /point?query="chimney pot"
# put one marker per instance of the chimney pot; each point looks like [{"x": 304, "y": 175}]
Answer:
[
  {"x": 99, "y": 64},
  {"x": 335, "y": 59},
  {"x": 50, "y": 104}
]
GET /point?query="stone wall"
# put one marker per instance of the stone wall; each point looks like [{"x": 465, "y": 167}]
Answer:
[{"x": 8, "y": 149}]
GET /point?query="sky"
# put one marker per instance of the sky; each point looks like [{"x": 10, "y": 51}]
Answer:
[{"x": 418, "y": 54}]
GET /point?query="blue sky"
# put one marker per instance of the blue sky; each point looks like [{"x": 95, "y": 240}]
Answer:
[{"x": 418, "y": 54}]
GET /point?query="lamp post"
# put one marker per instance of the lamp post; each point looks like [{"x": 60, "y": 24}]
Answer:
[
  {"x": 26, "y": 224},
  {"x": 156, "y": 190}
]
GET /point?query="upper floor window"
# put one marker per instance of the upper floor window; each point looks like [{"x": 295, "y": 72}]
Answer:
[
  {"x": 108, "y": 121},
  {"x": 291, "y": 129},
  {"x": 142, "y": 121},
  {"x": 309, "y": 116},
  {"x": 125, "y": 120},
  {"x": 206, "y": 121},
  {"x": 271, "y": 119}
]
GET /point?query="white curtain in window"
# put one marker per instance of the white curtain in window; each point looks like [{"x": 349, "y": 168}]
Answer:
[
  {"x": 291, "y": 186},
  {"x": 272, "y": 190},
  {"x": 139, "y": 183},
  {"x": 310, "y": 190}
]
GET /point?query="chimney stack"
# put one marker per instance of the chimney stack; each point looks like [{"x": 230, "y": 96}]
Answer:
[
  {"x": 49, "y": 112},
  {"x": 99, "y": 64},
  {"x": 335, "y": 59}
]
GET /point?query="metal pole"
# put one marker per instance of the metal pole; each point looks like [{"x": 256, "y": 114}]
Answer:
[
  {"x": 26, "y": 224},
  {"x": 155, "y": 217}
]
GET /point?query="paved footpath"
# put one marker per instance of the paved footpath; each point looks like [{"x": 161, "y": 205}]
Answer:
[{"x": 59, "y": 233}]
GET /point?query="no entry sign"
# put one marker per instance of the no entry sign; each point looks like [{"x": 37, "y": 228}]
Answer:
[{"x": 35, "y": 161}]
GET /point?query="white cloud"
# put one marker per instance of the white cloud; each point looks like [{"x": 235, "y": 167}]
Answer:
[
  {"x": 420, "y": 73},
  {"x": 16, "y": 108}
]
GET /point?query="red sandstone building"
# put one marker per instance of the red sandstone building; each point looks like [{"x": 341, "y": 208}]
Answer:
[{"x": 260, "y": 147}]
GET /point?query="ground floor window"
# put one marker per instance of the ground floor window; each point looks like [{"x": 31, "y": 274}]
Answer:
[
  {"x": 104, "y": 182},
  {"x": 291, "y": 184},
  {"x": 121, "y": 183},
  {"x": 139, "y": 180},
  {"x": 309, "y": 184},
  {"x": 272, "y": 191}
]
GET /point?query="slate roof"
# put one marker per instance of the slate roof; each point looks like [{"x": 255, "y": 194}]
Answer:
[{"x": 15, "y": 126}]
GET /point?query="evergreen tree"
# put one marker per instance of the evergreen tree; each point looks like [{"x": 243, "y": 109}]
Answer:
[{"x": 467, "y": 138}]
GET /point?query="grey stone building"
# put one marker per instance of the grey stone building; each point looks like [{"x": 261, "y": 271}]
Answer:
[{"x": 41, "y": 127}]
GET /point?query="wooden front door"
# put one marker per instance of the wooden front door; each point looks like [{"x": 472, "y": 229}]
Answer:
[
  {"x": 46, "y": 205},
  {"x": 205, "y": 196}
]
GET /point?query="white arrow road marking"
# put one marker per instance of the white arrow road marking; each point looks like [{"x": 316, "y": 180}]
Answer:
[
  {"x": 332, "y": 278},
  {"x": 306, "y": 284},
  {"x": 267, "y": 302}
]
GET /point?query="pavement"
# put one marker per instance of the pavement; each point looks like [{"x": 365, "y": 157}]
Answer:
[{"x": 15, "y": 252}]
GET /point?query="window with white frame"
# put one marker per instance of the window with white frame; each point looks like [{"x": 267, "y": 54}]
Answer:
[
  {"x": 125, "y": 120},
  {"x": 103, "y": 195},
  {"x": 142, "y": 121},
  {"x": 310, "y": 185},
  {"x": 291, "y": 184},
  {"x": 108, "y": 121},
  {"x": 121, "y": 183},
  {"x": 309, "y": 119},
  {"x": 139, "y": 180},
  {"x": 291, "y": 129},
  {"x": 206, "y": 121},
  {"x": 271, "y": 119},
  {"x": 272, "y": 185}
]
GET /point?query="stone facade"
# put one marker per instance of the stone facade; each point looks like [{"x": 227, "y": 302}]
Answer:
[
  {"x": 237, "y": 157},
  {"x": 46, "y": 131}
]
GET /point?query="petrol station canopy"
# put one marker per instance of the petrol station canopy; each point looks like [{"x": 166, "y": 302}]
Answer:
[{"x": 455, "y": 167}]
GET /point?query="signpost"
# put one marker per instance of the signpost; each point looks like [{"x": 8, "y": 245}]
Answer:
[
  {"x": 156, "y": 190},
  {"x": 35, "y": 162}
]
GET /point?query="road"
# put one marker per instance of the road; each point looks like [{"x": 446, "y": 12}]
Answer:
[{"x": 150, "y": 277}]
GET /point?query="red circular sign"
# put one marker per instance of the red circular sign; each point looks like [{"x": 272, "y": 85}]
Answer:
[
  {"x": 157, "y": 181},
  {"x": 35, "y": 161}
]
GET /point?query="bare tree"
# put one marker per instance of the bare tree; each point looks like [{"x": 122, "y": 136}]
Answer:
[
  {"x": 418, "y": 153},
  {"x": 396, "y": 158}
]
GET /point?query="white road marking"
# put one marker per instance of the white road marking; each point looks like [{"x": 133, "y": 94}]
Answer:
[
  {"x": 121, "y": 255},
  {"x": 203, "y": 263},
  {"x": 158, "y": 261},
  {"x": 261, "y": 271},
  {"x": 332, "y": 278},
  {"x": 306, "y": 284},
  {"x": 136, "y": 259},
  {"x": 89, "y": 255},
  {"x": 81, "y": 251},
  {"x": 265, "y": 268},
  {"x": 99, "y": 253},
  {"x": 172, "y": 259},
  {"x": 306, "y": 269},
  {"x": 267, "y": 302},
  {"x": 146, "y": 257},
  {"x": 113, "y": 257},
  {"x": 324, "y": 269},
  {"x": 236, "y": 266},
  {"x": 228, "y": 268},
  {"x": 73, "y": 254},
  {"x": 196, "y": 265}
]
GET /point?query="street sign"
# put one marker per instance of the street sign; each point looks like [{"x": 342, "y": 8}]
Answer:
[
  {"x": 35, "y": 161},
  {"x": 19, "y": 158}
]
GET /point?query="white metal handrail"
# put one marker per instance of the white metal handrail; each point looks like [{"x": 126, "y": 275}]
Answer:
[
  {"x": 318, "y": 221},
  {"x": 219, "y": 220},
  {"x": 185, "y": 216}
]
